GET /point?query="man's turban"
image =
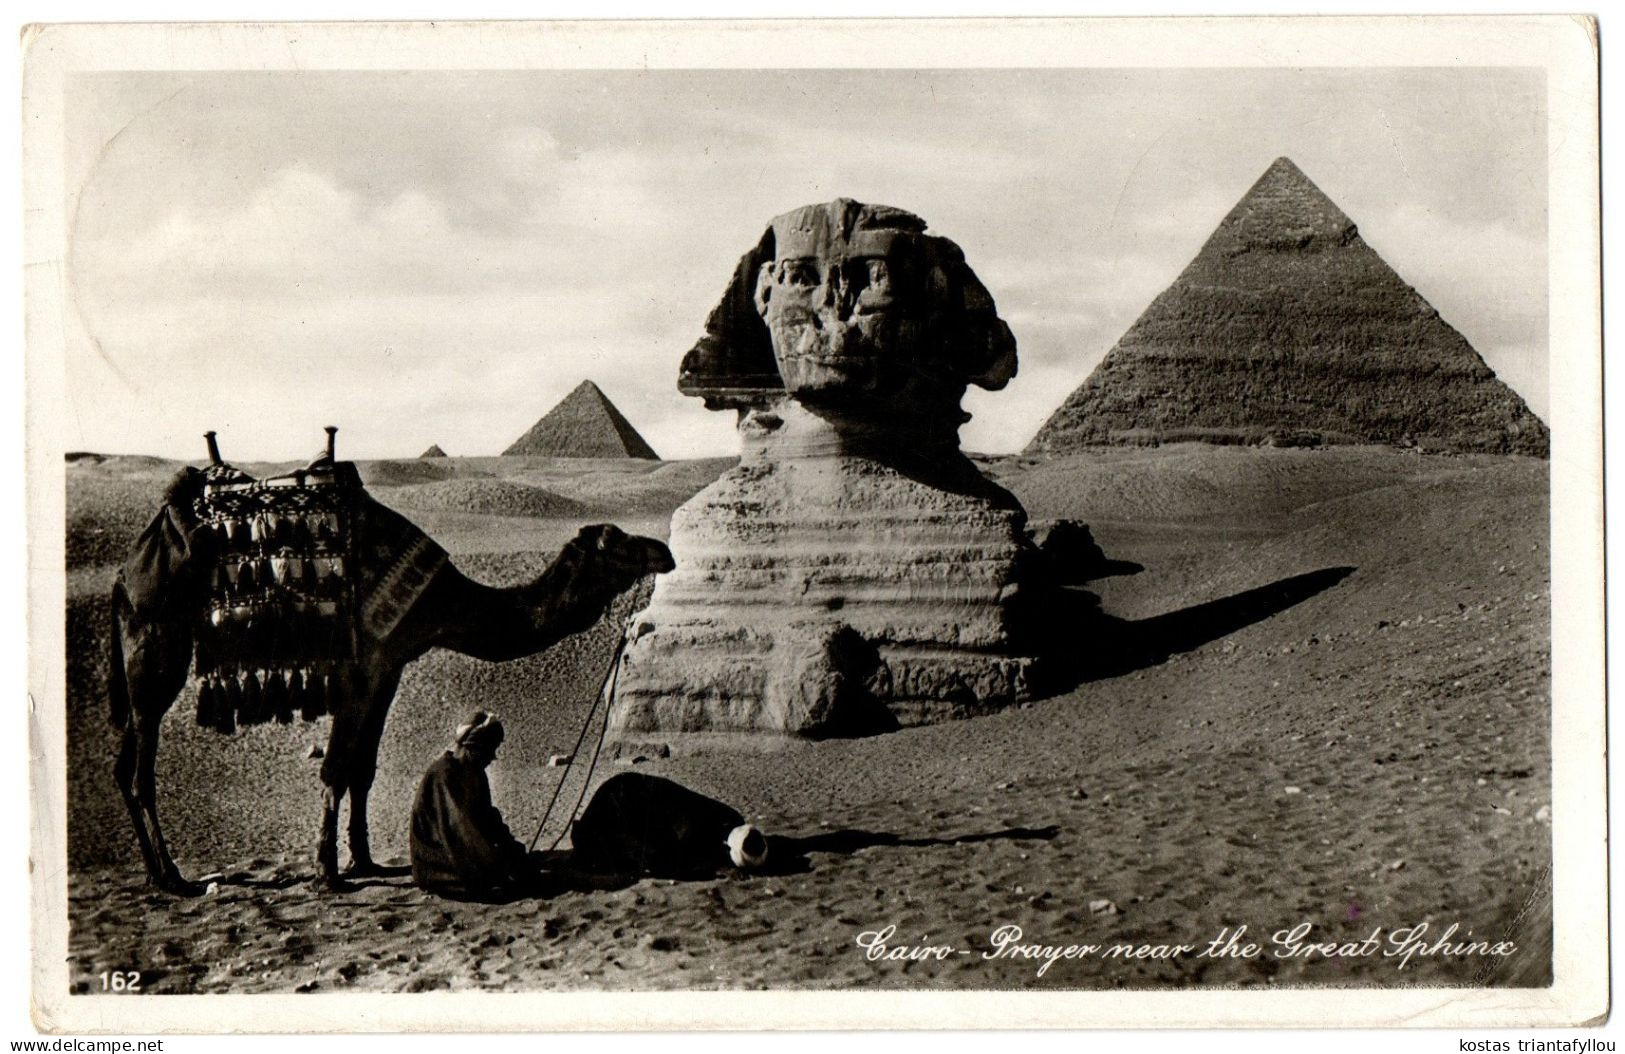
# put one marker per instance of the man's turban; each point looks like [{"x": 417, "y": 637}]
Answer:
[{"x": 482, "y": 732}]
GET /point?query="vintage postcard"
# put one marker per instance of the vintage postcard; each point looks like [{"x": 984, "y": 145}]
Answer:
[{"x": 815, "y": 524}]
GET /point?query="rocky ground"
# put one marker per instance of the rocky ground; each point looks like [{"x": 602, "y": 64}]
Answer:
[{"x": 1368, "y": 751}]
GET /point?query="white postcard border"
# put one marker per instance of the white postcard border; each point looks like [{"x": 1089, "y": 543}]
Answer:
[{"x": 1564, "y": 47}]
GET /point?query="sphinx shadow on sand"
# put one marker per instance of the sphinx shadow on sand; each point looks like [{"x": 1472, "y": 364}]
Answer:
[
  {"x": 1118, "y": 646},
  {"x": 1109, "y": 568}
]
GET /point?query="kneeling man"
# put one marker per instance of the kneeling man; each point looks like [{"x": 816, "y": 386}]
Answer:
[{"x": 460, "y": 845}]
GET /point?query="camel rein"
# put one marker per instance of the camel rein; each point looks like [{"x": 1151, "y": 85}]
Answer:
[{"x": 606, "y": 689}]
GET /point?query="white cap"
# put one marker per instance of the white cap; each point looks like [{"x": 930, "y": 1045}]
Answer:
[{"x": 737, "y": 852}]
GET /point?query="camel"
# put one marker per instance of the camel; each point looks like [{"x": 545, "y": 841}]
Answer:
[{"x": 158, "y": 619}]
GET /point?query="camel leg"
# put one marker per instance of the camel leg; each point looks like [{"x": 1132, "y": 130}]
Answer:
[
  {"x": 335, "y": 780},
  {"x": 363, "y": 766},
  {"x": 327, "y": 847},
  {"x": 148, "y": 670},
  {"x": 361, "y": 862},
  {"x": 124, "y": 775},
  {"x": 146, "y": 789},
  {"x": 343, "y": 741}
]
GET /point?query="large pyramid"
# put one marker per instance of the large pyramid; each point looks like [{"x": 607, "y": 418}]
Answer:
[
  {"x": 1289, "y": 328},
  {"x": 584, "y": 424}
]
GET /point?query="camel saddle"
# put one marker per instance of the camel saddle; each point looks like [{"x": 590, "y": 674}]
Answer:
[{"x": 280, "y": 612}]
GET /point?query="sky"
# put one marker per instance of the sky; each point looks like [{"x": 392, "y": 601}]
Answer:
[{"x": 439, "y": 256}]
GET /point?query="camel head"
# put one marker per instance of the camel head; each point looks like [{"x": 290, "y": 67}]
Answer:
[{"x": 607, "y": 561}]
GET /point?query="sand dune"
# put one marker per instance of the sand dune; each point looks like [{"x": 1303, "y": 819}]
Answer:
[{"x": 485, "y": 497}]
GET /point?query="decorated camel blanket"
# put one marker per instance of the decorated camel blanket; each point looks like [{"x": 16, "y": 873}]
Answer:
[{"x": 293, "y": 570}]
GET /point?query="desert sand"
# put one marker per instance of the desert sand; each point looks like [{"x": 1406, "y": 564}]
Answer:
[{"x": 1368, "y": 749}]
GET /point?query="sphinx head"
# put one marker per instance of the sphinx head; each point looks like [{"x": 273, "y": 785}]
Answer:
[
  {"x": 855, "y": 307},
  {"x": 861, "y": 302}
]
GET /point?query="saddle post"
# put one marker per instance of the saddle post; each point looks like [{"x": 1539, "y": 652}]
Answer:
[
  {"x": 332, "y": 441},
  {"x": 214, "y": 448}
]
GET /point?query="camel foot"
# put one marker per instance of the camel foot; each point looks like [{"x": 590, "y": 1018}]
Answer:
[
  {"x": 365, "y": 869},
  {"x": 331, "y": 884},
  {"x": 177, "y": 886}
]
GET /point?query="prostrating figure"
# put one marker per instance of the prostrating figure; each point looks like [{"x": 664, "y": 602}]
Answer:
[
  {"x": 461, "y": 847},
  {"x": 645, "y": 825}
]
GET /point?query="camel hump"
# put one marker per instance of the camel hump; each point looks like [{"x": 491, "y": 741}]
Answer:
[
  {"x": 185, "y": 488},
  {"x": 397, "y": 563},
  {"x": 160, "y": 572}
]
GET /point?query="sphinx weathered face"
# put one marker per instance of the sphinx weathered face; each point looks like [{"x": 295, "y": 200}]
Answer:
[{"x": 845, "y": 319}]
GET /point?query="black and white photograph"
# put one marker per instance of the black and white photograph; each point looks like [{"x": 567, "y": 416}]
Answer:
[{"x": 791, "y": 509}]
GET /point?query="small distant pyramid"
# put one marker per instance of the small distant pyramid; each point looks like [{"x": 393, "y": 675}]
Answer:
[
  {"x": 584, "y": 424},
  {"x": 433, "y": 451},
  {"x": 1288, "y": 327}
]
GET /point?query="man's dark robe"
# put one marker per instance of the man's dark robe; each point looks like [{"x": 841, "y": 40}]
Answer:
[
  {"x": 639, "y": 824},
  {"x": 460, "y": 845}
]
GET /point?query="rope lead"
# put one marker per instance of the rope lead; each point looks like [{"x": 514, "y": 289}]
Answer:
[{"x": 606, "y": 688}]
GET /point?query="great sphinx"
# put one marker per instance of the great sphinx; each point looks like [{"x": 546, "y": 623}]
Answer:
[{"x": 855, "y": 572}]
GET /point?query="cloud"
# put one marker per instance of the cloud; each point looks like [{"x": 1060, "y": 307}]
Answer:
[
  {"x": 303, "y": 235},
  {"x": 397, "y": 374}
]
